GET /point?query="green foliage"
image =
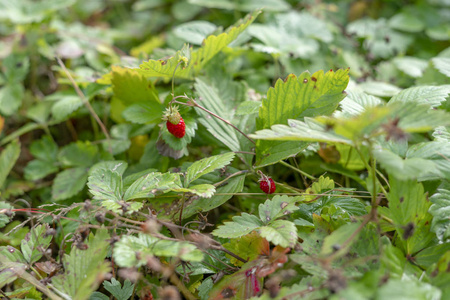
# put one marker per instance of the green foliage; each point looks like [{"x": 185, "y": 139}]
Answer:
[
  {"x": 84, "y": 269},
  {"x": 148, "y": 246},
  {"x": 8, "y": 158},
  {"x": 344, "y": 104},
  {"x": 279, "y": 232}
]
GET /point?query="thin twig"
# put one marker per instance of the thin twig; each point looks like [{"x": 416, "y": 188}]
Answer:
[
  {"x": 298, "y": 170},
  {"x": 85, "y": 101}
]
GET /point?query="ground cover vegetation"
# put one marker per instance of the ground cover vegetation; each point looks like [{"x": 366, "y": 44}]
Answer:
[{"x": 275, "y": 149}]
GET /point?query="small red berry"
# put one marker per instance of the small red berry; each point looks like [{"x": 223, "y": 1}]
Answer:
[
  {"x": 177, "y": 130},
  {"x": 267, "y": 185},
  {"x": 174, "y": 122}
]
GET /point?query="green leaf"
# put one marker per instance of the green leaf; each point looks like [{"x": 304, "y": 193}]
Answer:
[
  {"x": 35, "y": 243},
  {"x": 280, "y": 232},
  {"x": 202, "y": 190},
  {"x": 207, "y": 165},
  {"x": 79, "y": 154},
  {"x": 249, "y": 246},
  {"x": 440, "y": 210},
  {"x": 98, "y": 296},
  {"x": 290, "y": 34},
  {"x": 249, "y": 5},
  {"x": 276, "y": 208},
  {"x": 248, "y": 107},
  {"x": 106, "y": 185},
  {"x": 405, "y": 21},
  {"x": 305, "y": 96},
  {"x": 148, "y": 246},
  {"x": 409, "y": 206},
  {"x": 37, "y": 169},
  {"x": 194, "y": 32},
  {"x": 44, "y": 149},
  {"x": 121, "y": 293},
  {"x": 148, "y": 186},
  {"x": 84, "y": 270},
  {"x": 436, "y": 154},
  {"x": 405, "y": 169},
  {"x": 131, "y": 87},
  {"x": 198, "y": 58},
  {"x": 338, "y": 237},
  {"x": 442, "y": 64},
  {"x": 431, "y": 95},
  {"x": 223, "y": 194},
  {"x": 380, "y": 89},
  {"x": 4, "y": 219},
  {"x": 11, "y": 97},
  {"x": 407, "y": 289},
  {"x": 212, "y": 101},
  {"x": 8, "y": 158},
  {"x": 411, "y": 66},
  {"x": 429, "y": 256},
  {"x": 143, "y": 113},
  {"x": 357, "y": 102},
  {"x": 310, "y": 130},
  {"x": 241, "y": 225},
  {"x": 66, "y": 104},
  {"x": 68, "y": 183}
]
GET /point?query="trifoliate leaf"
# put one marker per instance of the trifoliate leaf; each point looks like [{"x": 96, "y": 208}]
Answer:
[
  {"x": 119, "y": 292},
  {"x": 207, "y": 165}
]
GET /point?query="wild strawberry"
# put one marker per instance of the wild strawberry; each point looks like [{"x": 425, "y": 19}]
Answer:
[
  {"x": 267, "y": 185},
  {"x": 177, "y": 130},
  {"x": 174, "y": 122}
]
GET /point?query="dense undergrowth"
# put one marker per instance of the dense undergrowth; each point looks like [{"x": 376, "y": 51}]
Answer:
[{"x": 343, "y": 104}]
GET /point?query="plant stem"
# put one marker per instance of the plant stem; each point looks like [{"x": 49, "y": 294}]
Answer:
[
  {"x": 298, "y": 170},
  {"x": 85, "y": 101},
  {"x": 195, "y": 104}
]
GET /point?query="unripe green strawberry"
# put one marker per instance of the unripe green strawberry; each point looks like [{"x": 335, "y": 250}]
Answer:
[{"x": 177, "y": 130}]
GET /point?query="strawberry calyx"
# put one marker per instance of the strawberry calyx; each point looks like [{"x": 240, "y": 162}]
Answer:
[{"x": 172, "y": 115}]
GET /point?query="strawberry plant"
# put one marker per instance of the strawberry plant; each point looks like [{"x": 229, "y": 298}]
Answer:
[{"x": 216, "y": 150}]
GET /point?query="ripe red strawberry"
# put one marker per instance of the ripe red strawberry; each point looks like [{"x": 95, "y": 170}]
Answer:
[
  {"x": 177, "y": 130},
  {"x": 267, "y": 185},
  {"x": 174, "y": 122}
]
